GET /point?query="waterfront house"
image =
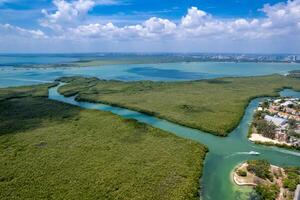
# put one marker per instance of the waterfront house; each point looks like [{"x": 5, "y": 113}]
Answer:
[
  {"x": 276, "y": 120},
  {"x": 287, "y": 103}
]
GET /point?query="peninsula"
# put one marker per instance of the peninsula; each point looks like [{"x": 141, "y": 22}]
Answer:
[
  {"x": 215, "y": 105},
  {"x": 269, "y": 181}
]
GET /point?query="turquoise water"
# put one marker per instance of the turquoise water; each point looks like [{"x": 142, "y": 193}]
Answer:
[
  {"x": 16, "y": 76},
  {"x": 225, "y": 152},
  {"x": 16, "y": 60}
]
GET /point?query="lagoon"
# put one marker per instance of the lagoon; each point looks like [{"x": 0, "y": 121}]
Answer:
[
  {"x": 16, "y": 76},
  {"x": 30, "y": 59}
]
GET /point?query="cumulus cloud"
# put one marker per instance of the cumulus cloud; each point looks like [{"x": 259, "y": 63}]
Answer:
[
  {"x": 69, "y": 20},
  {"x": 151, "y": 28},
  {"x": 66, "y": 13},
  {"x": 194, "y": 18},
  {"x": 70, "y": 12},
  {"x": 156, "y": 25},
  {"x": 281, "y": 19}
]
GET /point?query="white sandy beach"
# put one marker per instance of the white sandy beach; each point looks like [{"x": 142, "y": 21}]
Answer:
[{"x": 259, "y": 138}]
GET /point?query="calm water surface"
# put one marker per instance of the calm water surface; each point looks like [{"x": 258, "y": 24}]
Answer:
[
  {"x": 14, "y": 60},
  {"x": 15, "y": 76},
  {"x": 224, "y": 152}
]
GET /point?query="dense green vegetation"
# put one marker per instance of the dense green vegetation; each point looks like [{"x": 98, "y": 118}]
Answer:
[
  {"x": 261, "y": 168},
  {"x": 265, "y": 128},
  {"x": 267, "y": 192},
  {"x": 272, "y": 180},
  {"x": 292, "y": 179},
  {"x": 134, "y": 59},
  {"x": 51, "y": 150},
  {"x": 25, "y": 91},
  {"x": 119, "y": 59},
  {"x": 241, "y": 173},
  {"x": 215, "y": 106}
]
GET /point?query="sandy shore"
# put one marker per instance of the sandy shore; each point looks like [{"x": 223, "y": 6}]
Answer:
[
  {"x": 259, "y": 138},
  {"x": 242, "y": 181},
  {"x": 252, "y": 180}
]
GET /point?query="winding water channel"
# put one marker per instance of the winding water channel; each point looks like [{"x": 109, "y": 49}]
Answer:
[{"x": 224, "y": 152}]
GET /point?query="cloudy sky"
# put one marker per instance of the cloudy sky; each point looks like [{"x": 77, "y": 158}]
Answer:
[{"x": 247, "y": 26}]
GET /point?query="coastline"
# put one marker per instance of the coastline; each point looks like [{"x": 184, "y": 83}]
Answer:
[
  {"x": 276, "y": 182},
  {"x": 235, "y": 178},
  {"x": 260, "y": 140},
  {"x": 226, "y": 133},
  {"x": 254, "y": 137}
]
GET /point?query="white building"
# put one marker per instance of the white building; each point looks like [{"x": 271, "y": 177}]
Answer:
[
  {"x": 287, "y": 103},
  {"x": 276, "y": 120},
  {"x": 297, "y": 193}
]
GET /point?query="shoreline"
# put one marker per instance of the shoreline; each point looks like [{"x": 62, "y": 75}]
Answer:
[
  {"x": 235, "y": 179},
  {"x": 85, "y": 63},
  {"x": 243, "y": 165},
  {"x": 260, "y": 140},
  {"x": 255, "y": 137},
  {"x": 278, "y": 177}
]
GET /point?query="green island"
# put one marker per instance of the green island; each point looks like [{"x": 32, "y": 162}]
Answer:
[
  {"x": 215, "y": 106},
  {"x": 116, "y": 60},
  {"x": 270, "y": 182},
  {"x": 126, "y": 59},
  {"x": 133, "y": 59},
  {"x": 52, "y": 150}
]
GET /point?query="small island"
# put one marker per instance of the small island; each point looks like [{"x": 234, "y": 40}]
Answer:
[
  {"x": 270, "y": 182},
  {"x": 277, "y": 122}
]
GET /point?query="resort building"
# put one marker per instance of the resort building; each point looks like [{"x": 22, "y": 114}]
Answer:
[
  {"x": 276, "y": 120},
  {"x": 284, "y": 114}
]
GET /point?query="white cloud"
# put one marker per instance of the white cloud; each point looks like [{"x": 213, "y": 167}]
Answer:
[
  {"x": 281, "y": 18},
  {"x": 70, "y": 12},
  {"x": 7, "y": 30},
  {"x": 194, "y": 18},
  {"x": 159, "y": 26},
  {"x": 151, "y": 28},
  {"x": 70, "y": 21},
  {"x": 66, "y": 13}
]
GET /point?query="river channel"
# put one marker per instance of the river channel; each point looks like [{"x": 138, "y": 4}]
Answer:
[{"x": 224, "y": 152}]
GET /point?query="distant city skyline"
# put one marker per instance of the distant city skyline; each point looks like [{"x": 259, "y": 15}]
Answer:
[{"x": 234, "y": 26}]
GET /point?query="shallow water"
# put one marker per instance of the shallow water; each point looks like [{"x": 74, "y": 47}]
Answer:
[
  {"x": 19, "y": 59},
  {"x": 225, "y": 152},
  {"x": 16, "y": 76}
]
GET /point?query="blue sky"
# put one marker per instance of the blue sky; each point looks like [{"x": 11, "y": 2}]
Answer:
[
  {"x": 137, "y": 9},
  {"x": 265, "y": 26}
]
